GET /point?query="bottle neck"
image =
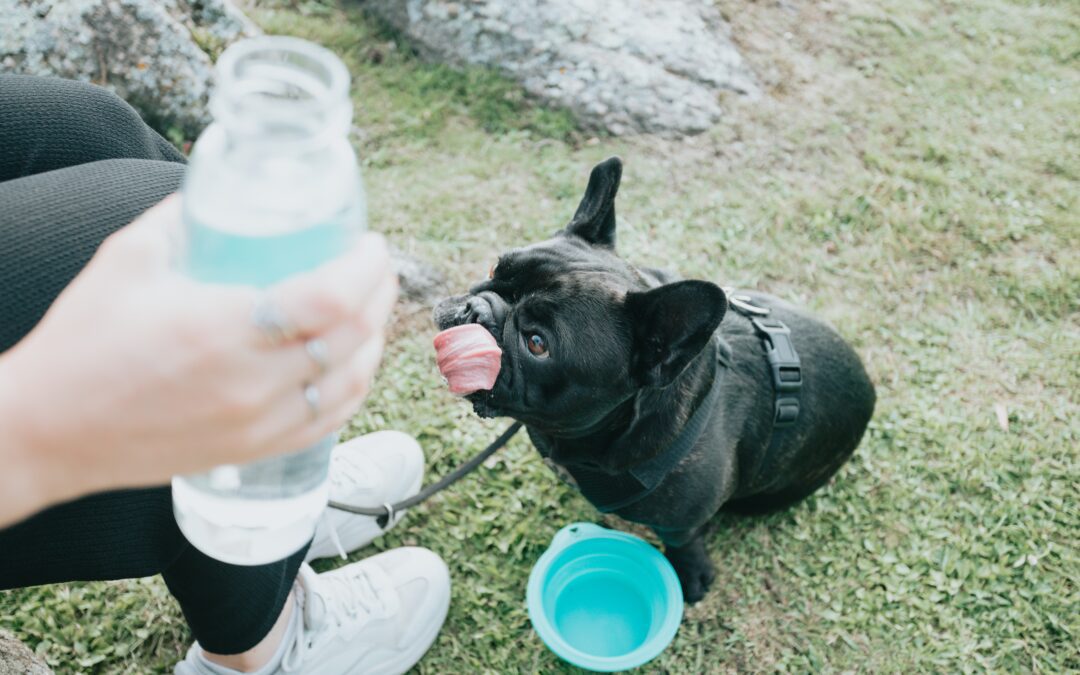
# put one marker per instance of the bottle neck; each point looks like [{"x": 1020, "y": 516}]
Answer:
[{"x": 281, "y": 95}]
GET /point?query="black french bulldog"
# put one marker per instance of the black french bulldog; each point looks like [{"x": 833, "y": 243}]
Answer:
[{"x": 607, "y": 365}]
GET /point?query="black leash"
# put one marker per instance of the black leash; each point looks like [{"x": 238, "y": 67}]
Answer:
[{"x": 385, "y": 512}]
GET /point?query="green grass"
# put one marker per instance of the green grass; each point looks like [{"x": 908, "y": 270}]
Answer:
[{"x": 913, "y": 177}]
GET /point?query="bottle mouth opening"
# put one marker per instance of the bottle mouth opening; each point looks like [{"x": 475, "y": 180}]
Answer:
[{"x": 284, "y": 86}]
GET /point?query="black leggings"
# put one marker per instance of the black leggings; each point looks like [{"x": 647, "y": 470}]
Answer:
[{"x": 77, "y": 163}]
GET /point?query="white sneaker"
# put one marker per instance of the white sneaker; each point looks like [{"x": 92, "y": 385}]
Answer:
[
  {"x": 376, "y": 617},
  {"x": 380, "y": 468}
]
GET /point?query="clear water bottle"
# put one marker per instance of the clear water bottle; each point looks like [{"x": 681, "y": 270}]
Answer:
[{"x": 273, "y": 189}]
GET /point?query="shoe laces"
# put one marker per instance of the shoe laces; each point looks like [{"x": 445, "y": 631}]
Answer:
[{"x": 343, "y": 599}]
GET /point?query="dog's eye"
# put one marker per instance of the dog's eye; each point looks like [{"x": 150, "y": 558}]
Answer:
[{"x": 537, "y": 346}]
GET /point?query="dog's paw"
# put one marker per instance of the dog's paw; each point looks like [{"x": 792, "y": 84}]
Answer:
[{"x": 696, "y": 574}]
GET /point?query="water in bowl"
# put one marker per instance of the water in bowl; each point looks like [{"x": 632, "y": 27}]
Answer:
[{"x": 602, "y": 613}]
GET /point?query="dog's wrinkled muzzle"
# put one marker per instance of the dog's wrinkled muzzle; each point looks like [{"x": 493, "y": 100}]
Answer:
[
  {"x": 485, "y": 308},
  {"x": 489, "y": 310}
]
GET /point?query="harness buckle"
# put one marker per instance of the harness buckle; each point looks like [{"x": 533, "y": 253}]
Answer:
[
  {"x": 787, "y": 411},
  {"x": 784, "y": 360}
]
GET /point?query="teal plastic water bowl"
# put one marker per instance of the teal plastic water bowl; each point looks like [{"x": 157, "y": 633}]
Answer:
[{"x": 604, "y": 600}]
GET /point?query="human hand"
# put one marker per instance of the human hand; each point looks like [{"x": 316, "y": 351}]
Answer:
[{"x": 137, "y": 373}]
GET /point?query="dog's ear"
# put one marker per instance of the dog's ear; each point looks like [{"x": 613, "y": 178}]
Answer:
[
  {"x": 594, "y": 220},
  {"x": 671, "y": 325}
]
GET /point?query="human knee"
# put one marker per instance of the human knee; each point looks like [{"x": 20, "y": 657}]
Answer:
[{"x": 97, "y": 106}]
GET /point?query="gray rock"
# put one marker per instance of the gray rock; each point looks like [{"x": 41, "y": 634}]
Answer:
[
  {"x": 624, "y": 65},
  {"x": 17, "y": 659},
  {"x": 153, "y": 53},
  {"x": 419, "y": 281}
]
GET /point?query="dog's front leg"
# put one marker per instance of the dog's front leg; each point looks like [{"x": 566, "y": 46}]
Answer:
[{"x": 685, "y": 550}]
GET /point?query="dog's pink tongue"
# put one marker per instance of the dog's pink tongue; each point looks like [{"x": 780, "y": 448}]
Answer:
[{"x": 468, "y": 358}]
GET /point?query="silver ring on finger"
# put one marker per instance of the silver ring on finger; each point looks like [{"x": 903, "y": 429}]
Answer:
[
  {"x": 271, "y": 321},
  {"x": 316, "y": 349},
  {"x": 311, "y": 397}
]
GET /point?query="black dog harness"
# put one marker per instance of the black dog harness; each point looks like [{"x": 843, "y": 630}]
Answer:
[{"x": 611, "y": 492}]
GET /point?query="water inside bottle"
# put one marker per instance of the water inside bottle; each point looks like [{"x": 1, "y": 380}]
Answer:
[{"x": 217, "y": 255}]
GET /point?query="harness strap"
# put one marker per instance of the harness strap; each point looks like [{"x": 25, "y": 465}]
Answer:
[
  {"x": 786, "y": 374},
  {"x": 609, "y": 492},
  {"x": 786, "y": 368}
]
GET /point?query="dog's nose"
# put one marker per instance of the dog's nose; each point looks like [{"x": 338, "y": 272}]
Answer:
[{"x": 450, "y": 312}]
